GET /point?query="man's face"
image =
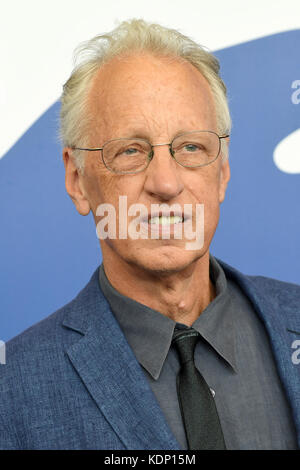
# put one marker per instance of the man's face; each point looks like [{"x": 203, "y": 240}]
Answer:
[{"x": 157, "y": 99}]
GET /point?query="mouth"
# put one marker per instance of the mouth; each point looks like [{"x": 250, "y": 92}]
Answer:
[
  {"x": 165, "y": 220},
  {"x": 164, "y": 223}
]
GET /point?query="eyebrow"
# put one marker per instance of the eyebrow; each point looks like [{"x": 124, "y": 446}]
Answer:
[{"x": 139, "y": 134}]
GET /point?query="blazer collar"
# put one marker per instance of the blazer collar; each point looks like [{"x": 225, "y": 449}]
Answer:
[
  {"x": 112, "y": 375},
  {"x": 269, "y": 297}
]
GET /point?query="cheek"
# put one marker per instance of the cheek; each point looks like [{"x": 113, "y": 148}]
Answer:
[
  {"x": 206, "y": 191},
  {"x": 98, "y": 189},
  {"x": 204, "y": 187},
  {"x": 100, "y": 182},
  {"x": 109, "y": 188}
]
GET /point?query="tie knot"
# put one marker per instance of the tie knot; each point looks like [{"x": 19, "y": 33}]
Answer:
[{"x": 185, "y": 343}]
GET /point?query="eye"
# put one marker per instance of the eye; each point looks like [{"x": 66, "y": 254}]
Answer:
[
  {"x": 191, "y": 147},
  {"x": 130, "y": 151}
]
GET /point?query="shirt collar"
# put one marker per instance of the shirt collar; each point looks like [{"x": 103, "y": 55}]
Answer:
[
  {"x": 149, "y": 332},
  {"x": 216, "y": 322}
]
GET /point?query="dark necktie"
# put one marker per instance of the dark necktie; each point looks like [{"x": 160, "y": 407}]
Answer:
[{"x": 197, "y": 405}]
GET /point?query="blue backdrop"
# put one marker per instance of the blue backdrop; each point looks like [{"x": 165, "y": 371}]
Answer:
[{"x": 48, "y": 251}]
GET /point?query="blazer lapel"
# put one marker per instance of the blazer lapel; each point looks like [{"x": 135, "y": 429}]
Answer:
[
  {"x": 278, "y": 305},
  {"x": 111, "y": 373}
]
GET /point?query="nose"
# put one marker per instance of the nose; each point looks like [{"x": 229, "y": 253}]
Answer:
[{"x": 163, "y": 179}]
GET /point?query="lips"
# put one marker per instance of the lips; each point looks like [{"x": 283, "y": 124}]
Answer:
[
  {"x": 164, "y": 224},
  {"x": 165, "y": 217},
  {"x": 166, "y": 220}
]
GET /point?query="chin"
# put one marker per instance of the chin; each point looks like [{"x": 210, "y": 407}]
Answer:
[{"x": 165, "y": 259}]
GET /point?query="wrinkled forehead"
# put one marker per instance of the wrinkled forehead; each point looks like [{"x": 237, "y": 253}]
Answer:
[{"x": 157, "y": 94}]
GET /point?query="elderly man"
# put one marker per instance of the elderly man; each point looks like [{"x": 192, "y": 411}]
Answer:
[{"x": 166, "y": 347}]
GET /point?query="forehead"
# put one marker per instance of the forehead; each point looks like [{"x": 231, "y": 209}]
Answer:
[{"x": 149, "y": 94}]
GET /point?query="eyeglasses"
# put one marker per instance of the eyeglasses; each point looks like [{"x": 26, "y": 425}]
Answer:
[{"x": 191, "y": 150}]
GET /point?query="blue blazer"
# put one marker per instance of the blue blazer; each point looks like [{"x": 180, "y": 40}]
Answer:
[{"x": 71, "y": 381}]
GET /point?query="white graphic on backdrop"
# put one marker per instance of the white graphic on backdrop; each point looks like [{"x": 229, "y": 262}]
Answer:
[{"x": 287, "y": 155}]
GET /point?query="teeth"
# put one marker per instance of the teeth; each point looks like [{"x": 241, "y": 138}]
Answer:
[{"x": 166, "y": 220}]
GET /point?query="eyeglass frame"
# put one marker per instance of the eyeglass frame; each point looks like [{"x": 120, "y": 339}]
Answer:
[{"x": 172, "y": 153}]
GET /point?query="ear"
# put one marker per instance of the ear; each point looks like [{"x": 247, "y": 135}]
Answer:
[
  {"x": 224, "y": 179},
  {"x": 74, "y": 183}
]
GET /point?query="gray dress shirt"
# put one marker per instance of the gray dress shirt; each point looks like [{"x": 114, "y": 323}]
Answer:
[{"x": 233, "y": 355}]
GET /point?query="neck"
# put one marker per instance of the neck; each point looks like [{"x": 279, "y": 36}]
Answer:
[{"x": 181, "y": 296}]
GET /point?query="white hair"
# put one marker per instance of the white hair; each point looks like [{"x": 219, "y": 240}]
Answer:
[{"x": 131, "y": 37}]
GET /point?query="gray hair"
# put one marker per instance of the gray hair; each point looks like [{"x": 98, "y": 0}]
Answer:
[{"x": 131, "y": 37}]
